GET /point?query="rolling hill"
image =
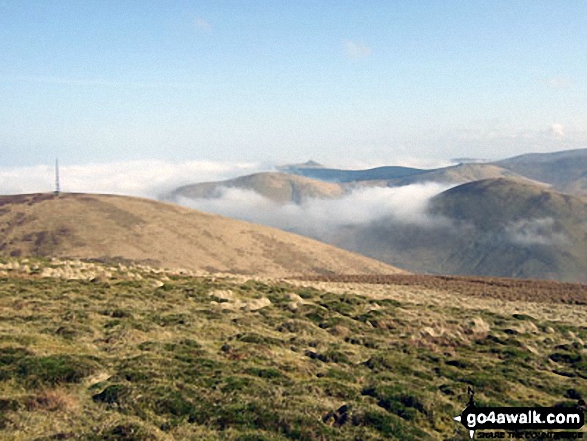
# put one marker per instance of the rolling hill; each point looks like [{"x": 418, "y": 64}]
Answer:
[
  {"x": 459, "y": 174},
  {"x": 565, "y": 170},
  {"x": 278, "y": 187},
  {"x": 343, "y": 176},
  {"x": 109, "y": 227},
  {"x": 497, "y": 227}
]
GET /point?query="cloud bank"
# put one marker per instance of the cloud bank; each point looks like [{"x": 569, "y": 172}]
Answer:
[
  {"x": 146, "y": 178},
  {"x": 320, "y": 218}
]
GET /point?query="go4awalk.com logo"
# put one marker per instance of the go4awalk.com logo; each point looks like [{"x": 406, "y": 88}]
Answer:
[{"x": 523, "y": 422}]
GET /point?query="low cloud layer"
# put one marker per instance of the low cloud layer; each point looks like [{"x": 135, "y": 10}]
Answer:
[
  {"x": 320, "y": 217},
  {"x": 146, "y": 178}
]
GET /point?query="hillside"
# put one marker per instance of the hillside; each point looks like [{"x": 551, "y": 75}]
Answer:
[
  {"x": 165, "y": 235},
  {"x": 517, "y": 230},
  {"x": 565, "y": 170},
  {"x": 459, "y": 174},
  {"x": 278, "y": 187},
  {"x": 145, "y": 355},
  {"x": 344, "y": 176},
  {"x": 495, "y": 227}
]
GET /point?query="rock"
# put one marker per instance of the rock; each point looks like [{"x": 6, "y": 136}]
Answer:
[
  {"x": 478, "y": 326},
  {"x": 256, "y": 304},
  {"x": 156, "y": 283}
]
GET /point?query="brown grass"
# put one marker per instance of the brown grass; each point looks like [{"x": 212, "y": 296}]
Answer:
[
  {"x": 52, "y": 400},
  {"x": 483, "y": 287},
  {"x": 120, "y": 228}
]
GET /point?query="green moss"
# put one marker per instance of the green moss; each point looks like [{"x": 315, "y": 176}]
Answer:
[
  {"x": 122, "y": 432},
  {"x": 53, "y": 369}
]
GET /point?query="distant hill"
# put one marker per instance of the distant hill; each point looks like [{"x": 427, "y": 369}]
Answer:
[
  {"x": 497, "y": 227},
  {"x": 278, "y": 187},
  {"x": 520, "y": 230},
  {"x": 115, "y": 227},
  {"x": 458, "y": 174},
  {"x": 565, "y": 170},
  {"x": 307, "y": 164},
  {"x": 340, "y": 175}
]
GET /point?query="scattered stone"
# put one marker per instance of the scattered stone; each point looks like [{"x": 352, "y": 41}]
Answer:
[
  {"x": 478, "y": 326},
  {"x": 256, "y": 304},
  {"x": 222, "y": 294},
  {"x": 156, "y": 283}
]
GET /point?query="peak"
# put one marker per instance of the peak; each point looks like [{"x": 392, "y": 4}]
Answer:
[
  {"x": 308, "y": 164},
  {"x": 312, "y": 163}
]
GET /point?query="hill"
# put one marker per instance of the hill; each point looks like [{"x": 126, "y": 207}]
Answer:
[
  {"x": 115, "y": 227},
  {"x": 278, "y": 187},
  {"x": 145, "y": 355},
  {"x": 459, "y": 174},
  {"x": 497, "y": 227},
  {"x": 343, "y": 176},
  {"x": 565, "y": 170}
]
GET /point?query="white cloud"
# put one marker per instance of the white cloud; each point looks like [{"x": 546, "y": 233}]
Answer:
[
  {"x": 534, "y": 232},
  {"x": 321, "y": 217},
  {"x": 356, "y": 51},
  {"x": 147, "y": 178},
  {"x": 557, "y": 129},
  {"x": 202, "y": 25}
]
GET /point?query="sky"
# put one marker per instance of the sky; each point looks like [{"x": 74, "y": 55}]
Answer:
[{"x": 230, "y": 83}]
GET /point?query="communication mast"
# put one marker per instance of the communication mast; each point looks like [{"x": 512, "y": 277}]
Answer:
[{"x": 57, "y": 188}]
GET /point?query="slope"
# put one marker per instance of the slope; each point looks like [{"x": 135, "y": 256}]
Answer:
[
  {"x": 565, "y": 170},
  {"x": 459, "y": 174},
  {"x": 226, "y": 358},
  {"x": 341, "y": 175},
  {"x": 278, "y": 187},
  {"x": 496, "y": 227},
  {"x": 115, "y": 227}
]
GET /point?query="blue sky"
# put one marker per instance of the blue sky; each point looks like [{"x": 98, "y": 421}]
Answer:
[{"x": 281, "y": 81}]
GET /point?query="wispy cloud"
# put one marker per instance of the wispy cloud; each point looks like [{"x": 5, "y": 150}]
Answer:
[
  {"x": 558, "y": 82},
  {"x": 202, "y": 25},
  {"x": 356, "y": 51},
  {"x": 535, "y": 232}
]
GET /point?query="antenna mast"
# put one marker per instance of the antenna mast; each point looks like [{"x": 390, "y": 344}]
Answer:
[{"x": 57, "y": 189}]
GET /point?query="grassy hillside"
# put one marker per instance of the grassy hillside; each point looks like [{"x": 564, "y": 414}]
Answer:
[
  {"x": 527, "y": 230},
  {"x": 165, "y": 235},
  {"x": 496, "y": 227},
  {"x": 563, "y": 170},
  {"x": 278, "y": 187},
  {"x": 89, "y": 352},
  {"x": 459, "y": 174}
]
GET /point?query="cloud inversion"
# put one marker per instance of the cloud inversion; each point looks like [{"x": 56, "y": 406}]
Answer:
[{"x": 146, "y": 178}]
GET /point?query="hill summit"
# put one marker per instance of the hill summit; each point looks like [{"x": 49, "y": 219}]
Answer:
[{"x": 108, "y": 227}]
